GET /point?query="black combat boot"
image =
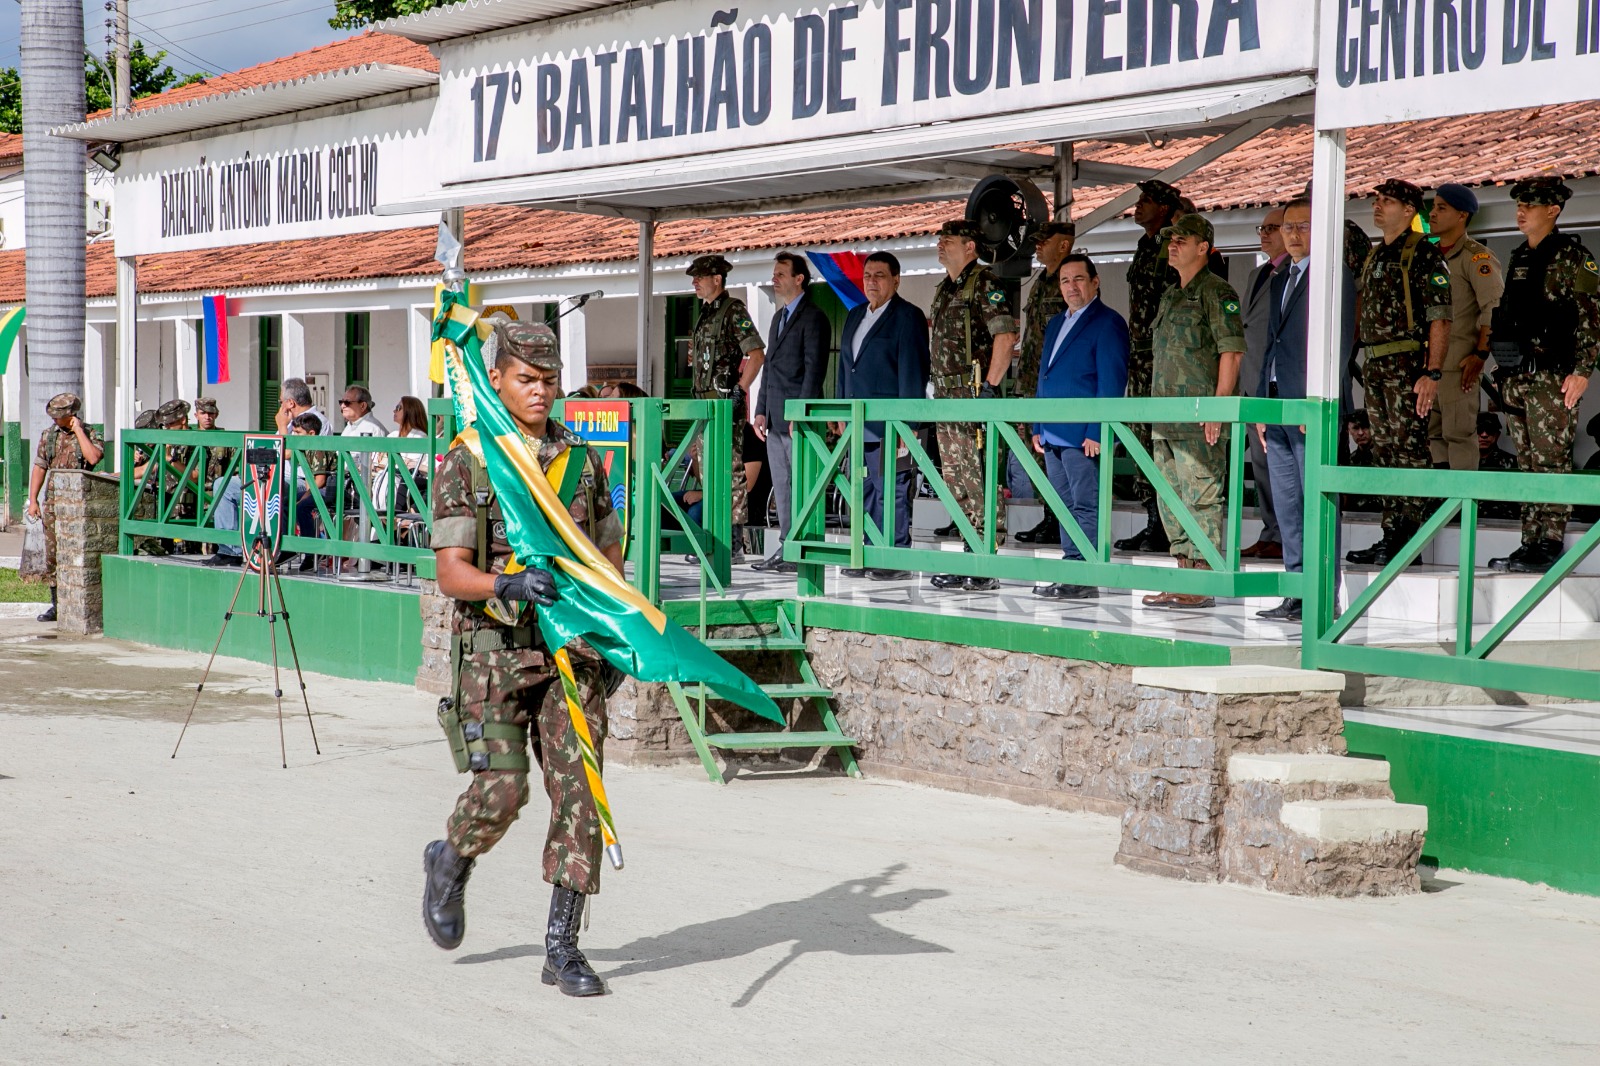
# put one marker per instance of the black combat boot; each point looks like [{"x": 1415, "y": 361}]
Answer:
[
  {"x": 1046, "y": 532},
  {"x": 444, "y": 909},
  {"x": 564, "y": 965},
  {"x": 1152, "y": 538},
  {"x": 48, "y": 615},
  {"x": 1536, "y": 558}
]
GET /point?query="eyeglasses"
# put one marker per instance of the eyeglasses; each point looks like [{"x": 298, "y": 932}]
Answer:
[
  {"x": 1266, "y": 229},
  {"x": 1296, "y": 227},
  {"x": 348, "y": 403}
]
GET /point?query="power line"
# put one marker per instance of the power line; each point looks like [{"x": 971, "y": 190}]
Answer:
[
  {"x": 215, "y": 68},
  {"x": 249, "y": 15},
  {"x": 253, "y": 25}
]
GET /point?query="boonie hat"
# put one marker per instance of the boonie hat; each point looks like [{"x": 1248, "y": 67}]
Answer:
[
  {"x": 1541, "y": 192},
  {"x": 63, "y": 404},
  {"x": 709, "y": 264},
  {"x": 173, "y": 411},
  {"x": 206, "y": 404}
]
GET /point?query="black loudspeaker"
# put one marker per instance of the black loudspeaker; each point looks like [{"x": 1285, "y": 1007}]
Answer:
[{"x": 1008, "y": 212}]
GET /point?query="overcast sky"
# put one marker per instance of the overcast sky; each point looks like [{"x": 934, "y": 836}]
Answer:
[{"x": 214, "y": 36}]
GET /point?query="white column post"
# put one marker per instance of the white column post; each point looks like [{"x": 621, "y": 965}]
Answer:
[
  {"x": 127, "y": 338},
  {"x": 646, "y": 350},
  {"x": 574, "y": 349},
  {"x": 187, "y": 367},
  {"x": 95, "y": 378},
  {"x": 1325, "y": 359},
  {"x": 419, "y": 350},
  {"x": 292, "y": 355}
]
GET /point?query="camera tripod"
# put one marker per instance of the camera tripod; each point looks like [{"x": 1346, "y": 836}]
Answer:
[{"x": 269, "y": 605}]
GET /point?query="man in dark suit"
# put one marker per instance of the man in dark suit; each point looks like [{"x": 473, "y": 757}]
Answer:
[
  {"x": 1085, "y": 355},
  {"x": 883, "y": 355},
  {"x": 797, "y": 363},
  {"x": 1283, "y": 376},
  {"x": 1256, "y": 296}
]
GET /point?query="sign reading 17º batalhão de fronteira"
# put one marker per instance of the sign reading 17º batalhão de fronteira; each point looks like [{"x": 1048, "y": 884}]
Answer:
[{"x": 685, "y": 77}]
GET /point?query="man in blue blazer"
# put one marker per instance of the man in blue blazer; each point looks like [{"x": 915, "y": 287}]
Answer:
[
  {"x": 1085, "y": 356},
  {"x": 1283, "y": 376},
  {"x": 883, "y": 355}
]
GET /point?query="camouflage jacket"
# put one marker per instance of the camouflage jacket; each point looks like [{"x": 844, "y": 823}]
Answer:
[
  {"x": 1044, "y": 303},
  {"x": 1195, "y": 324},
  {"x": 1496, "y": 458},
  {"x": 1149, "y": 276},
  {"x": 217, "y": 460},
  {"x": 59, "y": 449},
  {"x": 1560, "y": 326},
  {"x": 723, "y": 336},
  {"x": 455, "y": 517},
  {"x": 973, "y": 301},
  {"x": 1382, "y": 287}
]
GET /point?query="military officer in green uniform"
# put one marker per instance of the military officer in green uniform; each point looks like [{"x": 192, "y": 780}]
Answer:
[
  {"x": 974, "y": 337},
  {"x": 1403, "y": 315},
  {"x": 1055, "y": 240},
  {"x": 1197, "y": 345},
  {"x": 1546, "y": 341},
  {"x": 67, "y": 444},
  {"x": 1150, "y": 275},
  {"x": 727, "y": 353},
  {"x": 505, "y": 683}
]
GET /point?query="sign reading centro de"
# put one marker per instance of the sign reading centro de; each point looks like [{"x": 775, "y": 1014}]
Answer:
[
  {"x": 682, "y": 77},
  {"x": 1390, "y": 61}
]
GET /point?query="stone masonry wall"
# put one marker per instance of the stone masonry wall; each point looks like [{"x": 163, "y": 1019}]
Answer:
[
  {"x": 433, "y": 675},
  {"x": 86, "y": 508}
]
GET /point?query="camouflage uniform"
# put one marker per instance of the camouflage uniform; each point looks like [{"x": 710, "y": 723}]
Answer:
[
  {"x": 1044, "y": 303},
  {"x": 723, "y": 336},
  {"x": 1555, "y": 324},
  {"x": 1395, "y": 349},
  {"x": 1194, "y": 325},
  {"x": 513, "y": 682},
  {"x": 1149, "y": 278},
  {"x": 966, "y": 315},
  {"x": 217, "y": 459},
  {"x": 59, "y": 450}
]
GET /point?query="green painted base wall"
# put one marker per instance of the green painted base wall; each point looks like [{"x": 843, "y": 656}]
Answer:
[
  {"x": 1502, "y": 809},
  {"x": 365, "y": 632}
]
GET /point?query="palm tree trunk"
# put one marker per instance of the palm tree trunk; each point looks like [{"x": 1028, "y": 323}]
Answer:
[{"x": 52, "y": 95}]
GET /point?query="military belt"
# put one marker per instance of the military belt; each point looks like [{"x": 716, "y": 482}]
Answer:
[
  {"x": 1391, "y": 348},
  {"x": 496, "y": 639},
  {"x": 953, "y": 381}
]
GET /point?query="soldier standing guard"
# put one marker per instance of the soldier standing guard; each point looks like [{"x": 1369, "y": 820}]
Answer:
[
  {"x": 1149, "y": 277},
  {"x": 1546, "y": 341},
  {"x": 503, "y": 679},
  {"x": 1199, "y": 343},
  {"x": 1403, "y": 321},
  {"x": 724, "y": 339},
  {"x": 1476, "y": 283},
  {"x": 1044, "y": 303},
  {"x": 974, "y": 334},
  {"x": 66, "y": 445}
]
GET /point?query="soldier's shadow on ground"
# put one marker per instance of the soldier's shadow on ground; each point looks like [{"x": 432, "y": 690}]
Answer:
[{"x": 841, "y": 919}]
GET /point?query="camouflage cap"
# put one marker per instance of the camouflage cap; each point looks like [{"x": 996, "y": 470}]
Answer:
[
  {"x": 1541, "y": 192},
  {"x": 146, "y": 419},
  {"x": 1359, "y": 417},
  {"x": 63, "y": 404},
  {"x": 1057, "y": 229},
  {"x": 532, "y": 342},
  {"x": 1489, "y": 422},
  {"x": 960, "y": 227},
  {"x": 709, "y": 264},
  {"x": 1404, "y": 191},
  {"x": 173, "y": 411},
  {"x": 1162, "y": 193},
  {"x": 1191, "y": 225},
  {"x": 206, "y": 404}
]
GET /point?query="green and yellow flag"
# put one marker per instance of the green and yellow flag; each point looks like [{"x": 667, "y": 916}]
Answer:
[
  {"x": 10, "y": 327},
  {"x": 596, "y": 604}
]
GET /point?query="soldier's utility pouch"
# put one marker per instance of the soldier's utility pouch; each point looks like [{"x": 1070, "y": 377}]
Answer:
[
  {"x": 1508, "y": 356},
  {"x": 469, "y": 746},
  {"x": 450, "y": 722}
]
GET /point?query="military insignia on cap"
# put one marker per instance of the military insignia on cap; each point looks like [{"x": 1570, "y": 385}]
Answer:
[{"x": 1231, "y": 306}]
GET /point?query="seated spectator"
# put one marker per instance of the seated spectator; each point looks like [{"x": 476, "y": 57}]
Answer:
[
  {"x": 359, "y": 421},
  {"x": 321, "y": 467},
  {"x": 294, "y": 401},
  {"x": 1490, "y": 455},
  {"x": 1360, "y": 427},
  {"x": 411, "y": 421},
  {"x": 586, "y": 392},
  {"x": 622, "y": 390}
]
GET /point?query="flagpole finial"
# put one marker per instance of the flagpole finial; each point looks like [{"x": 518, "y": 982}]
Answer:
[{"x": 449, "y": 253}]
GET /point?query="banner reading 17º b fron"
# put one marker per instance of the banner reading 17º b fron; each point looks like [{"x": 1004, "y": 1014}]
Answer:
[
  {"x": 686, "y": 77},
  {"x": 1393, "y": 61}
]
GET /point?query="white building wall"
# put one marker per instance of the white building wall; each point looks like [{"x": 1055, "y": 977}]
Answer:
[
  {"x": 236, "y": 398},
  {"x": 390, "y": 365}
]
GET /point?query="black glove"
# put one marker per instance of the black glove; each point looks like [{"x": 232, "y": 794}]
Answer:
[
  {"x": 532, "y": 585},
  {"x": 987, "y": 391}
]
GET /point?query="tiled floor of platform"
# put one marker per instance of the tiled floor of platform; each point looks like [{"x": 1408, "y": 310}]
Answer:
[{"x": 1573, "y": 727}]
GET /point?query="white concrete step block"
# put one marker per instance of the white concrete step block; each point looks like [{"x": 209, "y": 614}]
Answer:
[
  {"x": 1238, "y": 680},
  {"x": 1292, "y": 769},
  {"x": 1339, "y": 821}
]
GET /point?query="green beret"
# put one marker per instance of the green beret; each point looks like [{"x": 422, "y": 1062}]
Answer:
[
  {"x": 1057, "y": 229},
  {"x": 1162, "y": 193},
  {"x": 62, "y": 404},
  {"x": 532, "y": 342},
  {"x": 1404, "y": 191},
  {"x": 1191, "y": 225},
  {"x": 1547, "y": 192},
  {"x": 709, "y": 264},
  {"x": 960, "y": 227}
]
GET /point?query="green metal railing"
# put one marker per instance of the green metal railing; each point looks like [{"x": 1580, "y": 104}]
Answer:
[{"x": 658, "y": 474}]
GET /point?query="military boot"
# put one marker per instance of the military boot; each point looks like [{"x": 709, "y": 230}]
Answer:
[
  {"x": 444, "y": 889},
  {"x": 564, "y": 965},
  {"x": 49, "y": 614},
  {"x": 1536, "y": 558},
  {"x": 1152, "y": 538}
]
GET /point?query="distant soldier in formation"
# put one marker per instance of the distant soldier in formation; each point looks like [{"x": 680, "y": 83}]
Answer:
[
  {"x": 1198, "y": 346},
  {"x": 1149, "y": 277},
  {"x": 1044, "y": 303},
  {"x": 1476, "y": 283},
  {"x": 726, "y": 352},
  {"x": 67, "y": 444},
  {"x": 1403, "y": 323},
  {"x": 974, "y": 334},
  {"x": 1546, "y": 341}
]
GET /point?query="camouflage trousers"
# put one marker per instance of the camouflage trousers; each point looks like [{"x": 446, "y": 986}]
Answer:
[
  {"x": 1139, "y": 375},
  {"x": 1399, "y": 434},
  {"x": 961, "y": 465},
  {"x": 517, "y": 687},
  {"x": 740, "y": 490},
  {"x": 1543, "y": 436},
  {"x": 47, "y": 515},
  {"x": 1198, "y": 472}
]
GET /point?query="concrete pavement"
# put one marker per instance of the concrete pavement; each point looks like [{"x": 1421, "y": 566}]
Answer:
[{"x": 215, "y": 908}]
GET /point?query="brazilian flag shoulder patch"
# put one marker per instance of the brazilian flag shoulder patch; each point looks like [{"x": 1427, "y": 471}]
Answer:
[
  {"x": 1589, "y": 265},
  {"x": 997, "y": 297},
  {"x": 1439, "y": 281},
  {"x": 1231, "y": 306}
]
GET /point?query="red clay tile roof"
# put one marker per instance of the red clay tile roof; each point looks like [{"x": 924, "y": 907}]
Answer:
[{"x": 10, "y": 148}]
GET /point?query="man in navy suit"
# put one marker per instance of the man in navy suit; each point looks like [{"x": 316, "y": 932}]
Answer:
[
  {"x": 1283, "y": 376},
  {"x": 797, "y": 362},
  {"x": 1085, "y": 356},
  {"x": 883, "y": 355}
]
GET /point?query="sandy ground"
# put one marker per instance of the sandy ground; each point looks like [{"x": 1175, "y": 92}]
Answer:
[{"x": 215, "y": 908}]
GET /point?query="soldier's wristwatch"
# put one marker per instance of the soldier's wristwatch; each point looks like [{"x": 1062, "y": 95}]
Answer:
[{"x": 1435, "y": 375}]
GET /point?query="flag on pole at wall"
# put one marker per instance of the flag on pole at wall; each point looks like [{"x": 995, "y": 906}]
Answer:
[
  {"x": 216, "y": 330},
  {"x": 842, "y": 272},
  {"x": 10, "y": 330}
]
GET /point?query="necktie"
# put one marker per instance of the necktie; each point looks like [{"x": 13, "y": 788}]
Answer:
[{"x": 783, "y": 320}]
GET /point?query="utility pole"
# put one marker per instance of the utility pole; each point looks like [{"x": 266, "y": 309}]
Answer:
[{"x": 122, "y": 101}]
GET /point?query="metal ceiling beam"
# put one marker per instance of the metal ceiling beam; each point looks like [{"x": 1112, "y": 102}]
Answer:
[
  {"x": 1093, "y": 172},
  {"x": 874, "y": 196}
]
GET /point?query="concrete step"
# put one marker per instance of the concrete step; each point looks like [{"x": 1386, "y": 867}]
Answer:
[
  {"x": 1304, "y": 769},
  {"x": 1354, "y": 820}
]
